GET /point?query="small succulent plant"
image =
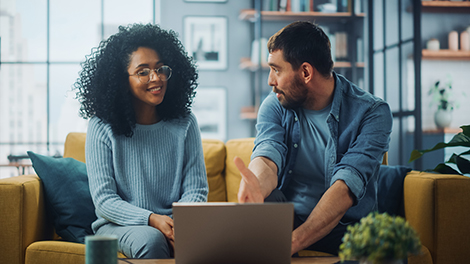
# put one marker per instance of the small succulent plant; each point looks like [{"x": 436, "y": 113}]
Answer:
[{"x": 379, "y": 237}]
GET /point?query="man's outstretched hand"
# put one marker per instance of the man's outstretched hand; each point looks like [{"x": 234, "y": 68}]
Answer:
[{"x": 250, "y": 188}]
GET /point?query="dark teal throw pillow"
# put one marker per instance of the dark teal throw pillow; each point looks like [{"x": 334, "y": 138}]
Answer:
[
  {"x": 390, "y": 189},
  {"x": 67, "y": 195}
]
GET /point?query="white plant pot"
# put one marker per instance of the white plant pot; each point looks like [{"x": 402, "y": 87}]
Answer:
[{"x": 443, "y": 118}]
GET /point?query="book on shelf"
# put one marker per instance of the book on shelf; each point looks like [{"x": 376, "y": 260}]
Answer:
[
  {"x": 288, "y": 5},
  {"x": 259, "y": 51},
  {"x": 341, "y": 46},
  {"x": 360, "y": 50}
]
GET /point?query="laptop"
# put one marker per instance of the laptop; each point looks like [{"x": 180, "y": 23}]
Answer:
[{"x": 225, "y": 233}]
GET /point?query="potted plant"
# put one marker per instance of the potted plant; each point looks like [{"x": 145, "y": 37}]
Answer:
[
  {"x": 379, "y": 238},
  {"x": 457, "y": 163},
  {"x": 442, "y": 96}
]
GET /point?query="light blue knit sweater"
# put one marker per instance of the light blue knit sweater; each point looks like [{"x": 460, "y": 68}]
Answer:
[{"x": 130, "y": 178}]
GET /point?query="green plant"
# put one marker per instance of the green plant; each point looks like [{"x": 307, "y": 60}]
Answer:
[
  {"x": 461, "y": 164},
  {"x": 379, "y": 237},
  {"x": 442, "y": 95}
]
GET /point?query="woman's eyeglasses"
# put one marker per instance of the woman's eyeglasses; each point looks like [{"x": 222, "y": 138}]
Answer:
[{"x": 145, "y": 75}]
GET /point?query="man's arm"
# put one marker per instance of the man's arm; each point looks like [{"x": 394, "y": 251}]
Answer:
[
  {"x": 324, "y": 217},
  {"x": 258, "y": 180}
]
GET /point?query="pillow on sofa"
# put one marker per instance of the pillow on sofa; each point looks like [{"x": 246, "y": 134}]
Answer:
[
  {"x": 390, "y": 189},
  {"x": 67, "y": 195}
]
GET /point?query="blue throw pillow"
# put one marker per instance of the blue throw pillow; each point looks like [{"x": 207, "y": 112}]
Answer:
[
  {"x": 390, "y": 189},
  {"x": 67, "y": 195}
]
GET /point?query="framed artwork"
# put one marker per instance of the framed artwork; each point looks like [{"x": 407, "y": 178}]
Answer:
[
  {"x": 206, "y": 1},
  {"x": 210, "y": 109},
  {"x": 205, "y": 39}
]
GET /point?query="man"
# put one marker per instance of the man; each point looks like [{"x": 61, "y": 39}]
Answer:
[{"x": 320, "y": 141}]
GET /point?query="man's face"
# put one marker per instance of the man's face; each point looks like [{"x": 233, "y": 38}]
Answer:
[{"x": 287, "y": 83}]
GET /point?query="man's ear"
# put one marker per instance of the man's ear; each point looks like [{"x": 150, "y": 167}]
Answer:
[{"x": 307, "y": 71}]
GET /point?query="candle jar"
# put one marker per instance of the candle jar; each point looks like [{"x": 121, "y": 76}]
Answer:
[{"x": 433, "y": 44}]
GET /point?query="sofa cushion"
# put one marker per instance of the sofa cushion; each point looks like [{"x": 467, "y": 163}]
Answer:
[
  {"x": 242, "y": 148},
  {"x": 67, "y": 195},
  {"x": 390, "y": 189},
  {"x": 214, "y": 159}
]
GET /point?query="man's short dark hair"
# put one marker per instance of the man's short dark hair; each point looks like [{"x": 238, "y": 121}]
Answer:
[{"x": 304, "y": 42}]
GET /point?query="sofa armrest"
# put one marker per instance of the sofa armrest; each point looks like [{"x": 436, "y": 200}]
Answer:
[
  {"x": 22, "y": 216},
  {"x": 437, "y": 206}
]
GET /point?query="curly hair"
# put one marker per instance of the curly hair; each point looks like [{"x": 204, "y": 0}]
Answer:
[{"x": 103, "y": 87}]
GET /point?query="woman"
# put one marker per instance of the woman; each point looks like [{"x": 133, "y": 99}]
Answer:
[{"x": 143, "y": 147}]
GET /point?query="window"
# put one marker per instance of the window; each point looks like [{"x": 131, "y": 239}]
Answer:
[{"x": 42, "y": 43}]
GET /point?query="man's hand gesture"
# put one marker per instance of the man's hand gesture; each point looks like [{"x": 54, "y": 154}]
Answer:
[{"x": 250, "y": 188}]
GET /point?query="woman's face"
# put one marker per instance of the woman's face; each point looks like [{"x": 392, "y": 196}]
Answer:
[{"x": 146, "y": 95}]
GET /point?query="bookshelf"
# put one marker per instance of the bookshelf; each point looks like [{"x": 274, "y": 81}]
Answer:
[
  {"x": 445, "y": 6},
  {"x": 346, "y": 21},
  {"x": 445, "y": 54},
  {"x": 249, "y": 14},
  {"x": 439, "y": 18}
]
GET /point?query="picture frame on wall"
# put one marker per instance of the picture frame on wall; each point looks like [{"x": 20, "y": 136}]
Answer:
[
  {"x": 205, "y": 39},
  {"x": 206, "y": 1},
  {"x": 210, "y": 109}
]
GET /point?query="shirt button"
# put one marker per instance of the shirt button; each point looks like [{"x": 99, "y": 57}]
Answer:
[
  {"x": 295, "y": 145},
  {"x": 290, "y": 171},
  {"x": 296, "y": 119}
]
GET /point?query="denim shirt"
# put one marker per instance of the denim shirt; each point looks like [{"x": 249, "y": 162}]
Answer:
[{"x": 360, "y": 125}]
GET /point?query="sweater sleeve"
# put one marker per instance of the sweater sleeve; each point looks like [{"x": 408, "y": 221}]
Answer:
[
  {"x": 194, "y": 185},
  {"x": 99, "y": 158}
]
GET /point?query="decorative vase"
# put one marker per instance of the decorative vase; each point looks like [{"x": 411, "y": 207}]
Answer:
[
  {"x": 386, "y": 261},
  {"x": 443, "y": 118},
  {"x": 453, "y": 40}
]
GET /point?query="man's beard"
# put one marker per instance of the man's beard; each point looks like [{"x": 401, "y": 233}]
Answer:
[{"x": 297, "y": 97}]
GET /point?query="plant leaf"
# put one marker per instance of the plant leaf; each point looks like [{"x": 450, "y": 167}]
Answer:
[
  {"x": 452, "y": 159},
  {"x": 459, "y": 140},
  {"x": 463, "y": 164},
  {"x": 415, "y": 154},
  {"x": 465, "y": 153},
  {"x": 466, "y": 130},
  {"x": 444, "y": 169}
]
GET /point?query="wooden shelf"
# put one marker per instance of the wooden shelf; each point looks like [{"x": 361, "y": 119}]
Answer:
[
  {"x": 246, "y": 64},
  {"x": 445, "y": 6},
  {"x": 445, "y": 55},
  {"x": 447, "y": 130},
  {"x": 249, "y": 14}
]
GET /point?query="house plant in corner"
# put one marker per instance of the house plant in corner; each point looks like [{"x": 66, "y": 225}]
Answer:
[
  {"x": 443, "y": 97},
  {"x": 379, "y": 239},
  {"x": 457, "y": 163}
]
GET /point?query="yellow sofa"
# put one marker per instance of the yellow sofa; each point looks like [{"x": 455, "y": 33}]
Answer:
[{"x": 436, "y": 205}]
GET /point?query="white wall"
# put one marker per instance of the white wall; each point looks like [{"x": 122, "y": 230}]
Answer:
[
  {"x": 431, "y": 71},
  {"x": 236, "y": 81}
]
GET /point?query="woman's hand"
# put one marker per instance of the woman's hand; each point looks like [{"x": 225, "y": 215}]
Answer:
[{"x": 165, "y": 225}]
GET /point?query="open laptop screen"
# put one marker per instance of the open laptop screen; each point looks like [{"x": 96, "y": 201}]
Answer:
[{"x": 221, "y": 233}]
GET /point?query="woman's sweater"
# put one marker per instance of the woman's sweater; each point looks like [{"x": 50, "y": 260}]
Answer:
[{"x": 130, "y": 178}]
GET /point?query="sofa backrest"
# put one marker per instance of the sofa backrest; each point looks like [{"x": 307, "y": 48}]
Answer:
[
  {"x": 242, "y": 148},
  {"x": 214, "y": 157}
]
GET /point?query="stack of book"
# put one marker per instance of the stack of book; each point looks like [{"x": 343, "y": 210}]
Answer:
[
  {"x": 288, "y": 5},
  {"x": 307, "y": 5}
]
